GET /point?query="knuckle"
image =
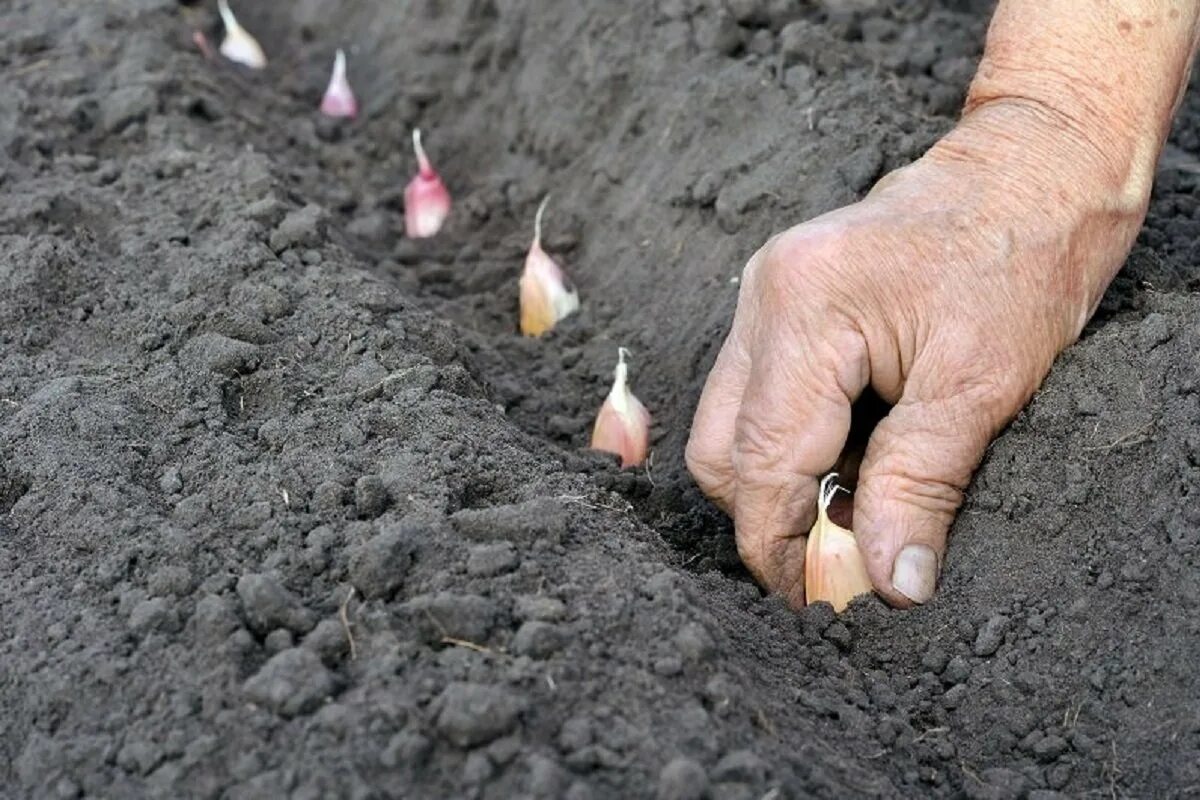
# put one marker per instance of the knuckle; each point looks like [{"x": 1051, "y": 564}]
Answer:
[
  {"x": 758, "y": 451},
  {"x": 939, "y": 496},
  {"x": 979, "y": 389},
  {"x": 989, "y": 400},
  {"x": 811, "y": 243},
  {"x": 799, "y": 260},
  {"x": 755, "y": 263},
  {"x": 918, "y": 463},
  {"x": 812, "y": 275}
]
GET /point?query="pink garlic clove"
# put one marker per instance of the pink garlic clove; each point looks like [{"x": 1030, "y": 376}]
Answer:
[
  {"x": 623, "y": 424},
  {"x": 546, "y": 294},
  {"x": 426, "y": 199},
  {"x": 339, "y": 100}
]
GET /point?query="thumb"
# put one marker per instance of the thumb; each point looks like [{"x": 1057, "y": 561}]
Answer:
[{"x": 919, "y": 460}]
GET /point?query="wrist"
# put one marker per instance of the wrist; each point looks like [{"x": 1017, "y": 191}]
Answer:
[
  {"x": 1101, "y": 79},
  {"x": 1055, "y": 156},
  {"x": 1022, "y": 178},
  {"x": 1049, "y": 168}
]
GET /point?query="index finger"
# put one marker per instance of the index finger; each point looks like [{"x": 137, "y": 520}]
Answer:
[{"x": 792, "y": 425}]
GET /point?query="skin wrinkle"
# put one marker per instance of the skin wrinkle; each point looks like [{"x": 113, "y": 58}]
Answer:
[
  {"x": 932, "y": 493},
  {"x": 948, "y": 419},
  {"x": 947, "y": 250},
  {"x": 760, "y": 444},
  {"x": 937, "y": 497},
  {"x": 795, "y": 288},
  {"x": 1014, "y": 163},
  {"x": 981, "y": 93},
  {"x": 905, "y": 340},
  {"x": 764, "y": 459}
]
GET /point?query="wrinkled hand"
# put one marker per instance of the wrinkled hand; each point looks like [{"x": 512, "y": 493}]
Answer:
[{"x": 949, "y": 290}]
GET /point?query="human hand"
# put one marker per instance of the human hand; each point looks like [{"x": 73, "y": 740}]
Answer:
[{"x": 949, "y": 290}]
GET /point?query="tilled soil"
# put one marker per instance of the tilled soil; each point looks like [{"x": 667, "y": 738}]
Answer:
[{"x": 232, "y": 392}]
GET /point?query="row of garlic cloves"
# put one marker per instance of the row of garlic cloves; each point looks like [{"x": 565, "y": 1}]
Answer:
[
  {"x": 622, "y": 426},
  {"x": 426, "y": 199}
]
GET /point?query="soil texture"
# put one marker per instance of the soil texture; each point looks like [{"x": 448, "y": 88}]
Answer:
[{"x": 289, "y": 509}]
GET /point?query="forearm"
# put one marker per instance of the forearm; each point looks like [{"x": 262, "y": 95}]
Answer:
[
  {"x": 1110, "y": 73},
  {"x": 1068, "y": 113}
]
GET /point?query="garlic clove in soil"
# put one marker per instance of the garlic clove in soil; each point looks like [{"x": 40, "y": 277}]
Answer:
[
  {"x": 623, "y": 424},
  {"x": 239, "y": 46},
  {"x": 426, "y": 199},
  {"x": 834, "y": 571},
  {"x": 339, "y": 100},
  {"x": 546, "y": 294}
]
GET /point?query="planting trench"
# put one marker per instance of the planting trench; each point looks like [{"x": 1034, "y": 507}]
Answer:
[{"x": 231, "y": 391}]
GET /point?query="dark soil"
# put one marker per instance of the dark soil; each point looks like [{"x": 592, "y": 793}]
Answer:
[{"x": 231, "y": 391}]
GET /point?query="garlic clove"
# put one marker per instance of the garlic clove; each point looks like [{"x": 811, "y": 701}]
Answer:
[
  {"x": 426, "y": 199},
  {"x": 834, "y": 570},
  {"x": 239, "y": 46},
  {"x": 546, "y": 294},
  {"x": 339, "y": 100},
  {"x": 623, "y": 424}
]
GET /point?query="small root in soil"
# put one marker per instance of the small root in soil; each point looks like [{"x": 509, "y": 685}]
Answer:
[
  {"x": 478, "y": 648},
  {"x": 344, "y": 616}
]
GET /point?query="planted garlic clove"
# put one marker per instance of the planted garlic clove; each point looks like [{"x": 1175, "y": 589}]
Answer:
[
  {"x": 834, "y": 571},
  {"x": 623, "y": 424},
  {"x": 546, "y": 294},
  {"x": 426, "y": 199},
  {"x": 339, "y": 100},
  {"x": 239, "y": 46}
]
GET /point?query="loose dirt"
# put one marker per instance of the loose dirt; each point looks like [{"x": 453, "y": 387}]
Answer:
[{"x": 288, "y": 508}]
